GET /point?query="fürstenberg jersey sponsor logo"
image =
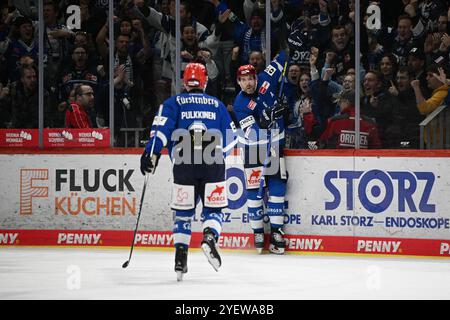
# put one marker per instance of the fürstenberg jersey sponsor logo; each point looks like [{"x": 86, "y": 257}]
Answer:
[{"x": 197, "y": 100}]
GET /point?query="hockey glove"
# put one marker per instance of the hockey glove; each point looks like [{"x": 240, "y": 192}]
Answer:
[
  {"x": 148, "y": 164},
  {"x": 271, "y": 114}
]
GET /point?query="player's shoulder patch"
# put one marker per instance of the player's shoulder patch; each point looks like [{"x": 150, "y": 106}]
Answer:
[
  {"x": 264, "y": 87},
  {"x": 270, "y": 70},
  {"x": 251, "y": 105},
  {"x": 159, "y": 121}
]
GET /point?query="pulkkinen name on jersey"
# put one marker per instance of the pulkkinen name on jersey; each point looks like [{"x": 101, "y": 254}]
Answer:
[{"x": 198, "y": 115}]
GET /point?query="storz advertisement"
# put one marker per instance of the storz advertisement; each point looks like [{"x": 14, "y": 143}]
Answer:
[
  {"x": 379, "y": 197},
  {"x": 345, "y": 204}
]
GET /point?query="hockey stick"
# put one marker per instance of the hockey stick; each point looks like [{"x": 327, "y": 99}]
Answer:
[
  {"x": 269, "y": 144},
  {"x": 126, "y": 263}
]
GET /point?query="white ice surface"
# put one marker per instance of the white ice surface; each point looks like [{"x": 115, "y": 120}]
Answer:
[{"x": 36, "y": 273}]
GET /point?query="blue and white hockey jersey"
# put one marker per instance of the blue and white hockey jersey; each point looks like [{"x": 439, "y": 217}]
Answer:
[
  {"x": 192, "y": 112},
  {"x": 247, "y": 112},
  {"x": 248, "y": 109}
]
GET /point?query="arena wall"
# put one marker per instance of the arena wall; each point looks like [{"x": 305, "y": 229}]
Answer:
[{"x": 338, "y": 202}]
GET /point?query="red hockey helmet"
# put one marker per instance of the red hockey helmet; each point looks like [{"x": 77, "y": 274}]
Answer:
[
  {"x": 195, "y": 76},
  {"x": 245, "y": 70}
]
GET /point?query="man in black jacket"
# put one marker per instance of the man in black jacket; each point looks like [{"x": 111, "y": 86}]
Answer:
[
  {"x": 21, "y": 101},
  {"x": 377, "y": 104},
  {"x": 404, "y": 129}
]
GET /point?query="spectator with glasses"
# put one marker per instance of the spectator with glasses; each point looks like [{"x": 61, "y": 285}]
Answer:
[
  {"x": 79, "y": 71},
  {"x": 78, "y": 114}
]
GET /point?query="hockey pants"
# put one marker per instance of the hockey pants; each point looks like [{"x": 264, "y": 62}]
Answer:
[{"x": 200, "y": 183}]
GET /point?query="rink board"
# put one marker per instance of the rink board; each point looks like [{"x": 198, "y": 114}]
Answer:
[{"x": 395, "y": 203}]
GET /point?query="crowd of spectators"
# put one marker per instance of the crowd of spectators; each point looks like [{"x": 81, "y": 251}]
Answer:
[{"x": 404, "y": 62}]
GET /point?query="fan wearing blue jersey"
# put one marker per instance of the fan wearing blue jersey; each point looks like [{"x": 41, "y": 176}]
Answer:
[
  {"x": 255, "y": 110},
  {"x": 195, "y": 128}
]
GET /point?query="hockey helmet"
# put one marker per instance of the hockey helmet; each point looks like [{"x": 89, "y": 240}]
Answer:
[
  {"x": 246, "y": 70},
  {"x": 195, "y": 76}
]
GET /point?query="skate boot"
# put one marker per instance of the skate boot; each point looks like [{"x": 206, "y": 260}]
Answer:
[
  {"x": 259, "y": 241},
  {"x": 277, "y": 243},
  {"x": 180, "y": 261},
  {"x": 209, "y": 248}
]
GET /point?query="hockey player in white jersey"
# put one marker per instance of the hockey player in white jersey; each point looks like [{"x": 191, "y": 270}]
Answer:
[{"x": 194, "y": 128}]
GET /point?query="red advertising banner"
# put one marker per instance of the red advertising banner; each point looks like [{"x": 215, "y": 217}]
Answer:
[
  {"x": 63, "y": 137},
  {"x": 58, "y": 137},
  {"x": 19, "y": 137},
  {"x": 229, "y": 241}
]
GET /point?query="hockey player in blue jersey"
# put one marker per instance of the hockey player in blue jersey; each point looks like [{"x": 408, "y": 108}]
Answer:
[
  {"x": 191, "y": 125},
  {"x": 256, "y": 107}
]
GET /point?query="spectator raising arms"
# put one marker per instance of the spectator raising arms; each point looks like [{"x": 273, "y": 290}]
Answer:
[
  {"x": 439, "y": 88},
  {"x": 399, "y": 88},
  {"x": 377, "y": 103},
  {"x": 22, "y": 43}
]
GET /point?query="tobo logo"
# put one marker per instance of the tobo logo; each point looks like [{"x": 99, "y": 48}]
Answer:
[
  {"x": 412, "y": 190},
  {"x": 218, "y": 192},
  {"x": 254, "y": 177}
]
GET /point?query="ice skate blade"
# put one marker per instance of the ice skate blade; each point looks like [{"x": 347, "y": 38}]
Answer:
[
  {"x": 179, "y": 276},
  {"x": 276, "y": 250},
  {"x": 212, "y": 261}
]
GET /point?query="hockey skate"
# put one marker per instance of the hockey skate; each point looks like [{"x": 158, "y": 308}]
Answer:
[
  {"x": 259, "y": 241},
  {"x": 210, "y": 250},
  {"x": 180, "y": 261},
  {"x": 277, "y": 243}
]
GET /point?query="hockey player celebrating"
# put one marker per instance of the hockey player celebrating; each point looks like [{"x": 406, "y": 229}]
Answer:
[
  {"x": 190, "y": 123},
  {"x": 256, "y": 107}
]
